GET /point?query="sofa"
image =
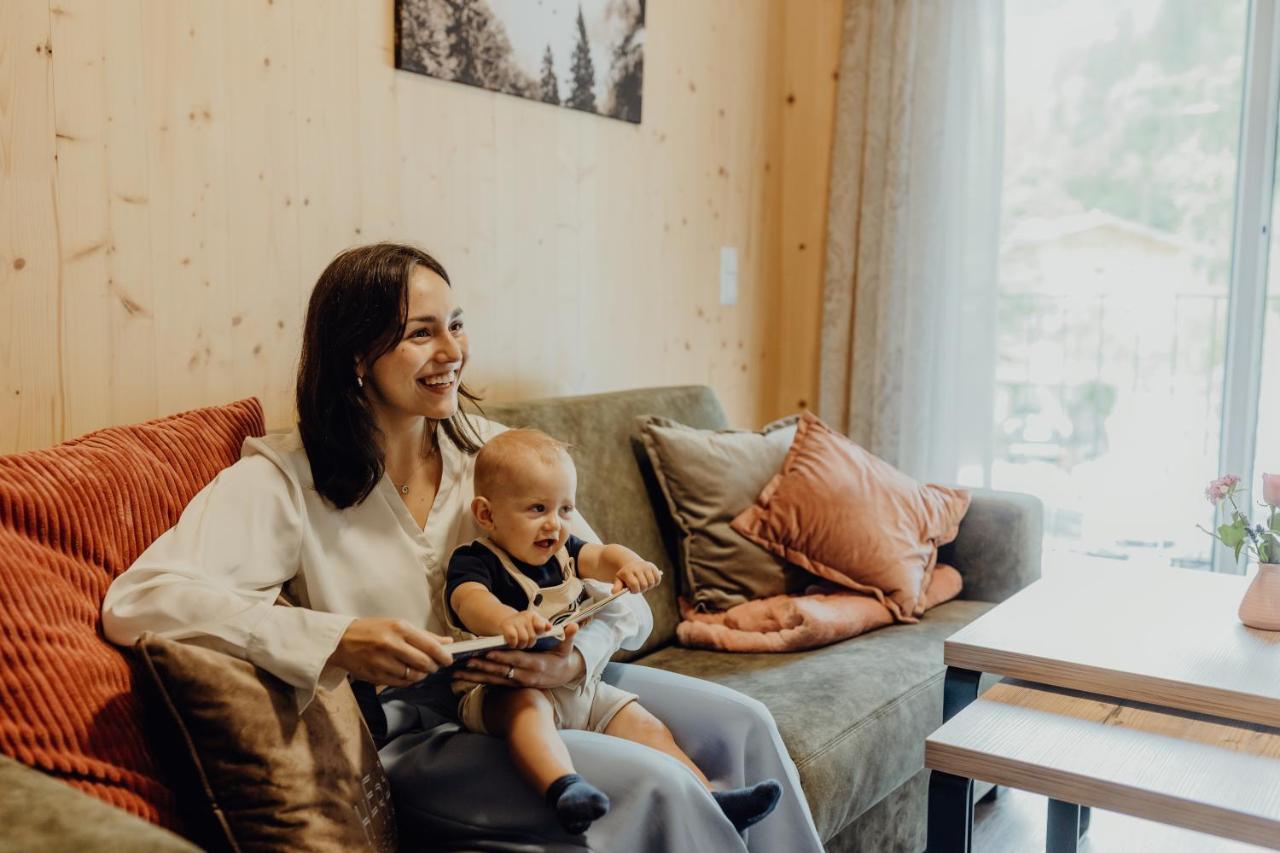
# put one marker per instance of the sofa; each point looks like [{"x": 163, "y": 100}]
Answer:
[{"x": 854, "y": 716}]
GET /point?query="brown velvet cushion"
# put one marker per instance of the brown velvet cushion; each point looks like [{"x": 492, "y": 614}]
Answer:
[
  {"x": 841, "y": 513},
  {"x": 272, "y": 779},
  {"x": 72, "y": 518},
  {"x": 706, "y": 478}
]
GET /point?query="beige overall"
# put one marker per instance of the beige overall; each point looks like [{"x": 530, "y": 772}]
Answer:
[{"x": 588, "y": 704}]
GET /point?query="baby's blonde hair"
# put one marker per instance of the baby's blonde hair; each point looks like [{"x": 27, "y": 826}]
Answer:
[{"x": 500, "y": 463}]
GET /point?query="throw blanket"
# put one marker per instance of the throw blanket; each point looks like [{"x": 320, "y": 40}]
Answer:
[{"x": 790, "y": 623}]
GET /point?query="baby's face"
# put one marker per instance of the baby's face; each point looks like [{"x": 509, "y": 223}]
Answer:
[{"x": 531, "y": 519}]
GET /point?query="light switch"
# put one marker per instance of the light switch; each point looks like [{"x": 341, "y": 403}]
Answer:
[{"x": 728, "y": 275}]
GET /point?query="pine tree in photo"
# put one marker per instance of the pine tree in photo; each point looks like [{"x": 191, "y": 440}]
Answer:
[
  {"x": 480, "y": 51},
  {"x": 462, "y": 34},
  {"x": 627, "y": 72},
  {"x": 549, "y": 86},
  {"x": 421, "y": 43},
  {"x": 583, "y": 96}
]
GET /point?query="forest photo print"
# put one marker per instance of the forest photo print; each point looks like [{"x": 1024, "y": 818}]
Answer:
[{"x": 583, "y": 54}]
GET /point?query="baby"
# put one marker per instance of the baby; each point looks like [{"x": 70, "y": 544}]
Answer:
[{"x": 527, "y": 570}]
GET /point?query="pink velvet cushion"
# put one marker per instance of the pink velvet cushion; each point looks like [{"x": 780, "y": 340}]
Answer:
[
  {"x": 72, "y": 518},
  {"x": 792, "y": 623},
  {"x": 844, "y": 515}
]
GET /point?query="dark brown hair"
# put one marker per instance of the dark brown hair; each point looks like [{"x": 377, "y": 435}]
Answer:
[{"x": 357, "y": 312}]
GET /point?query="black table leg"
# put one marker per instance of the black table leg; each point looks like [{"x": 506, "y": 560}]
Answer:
[
  {"x": 951, "y": 797},
  {"x": 950, "y": 813},
  {"x": 1085, "y": 814},
  {"x": 1065, "y": 827},
  {"x": 959, "y": 688}
]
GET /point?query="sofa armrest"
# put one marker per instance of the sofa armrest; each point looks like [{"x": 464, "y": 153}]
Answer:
[
  {"x": 40, "y": 813},
  {"x": 997, "y": 551}
]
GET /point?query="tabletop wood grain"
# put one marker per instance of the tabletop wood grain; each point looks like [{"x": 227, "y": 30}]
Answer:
[{"x": 1168, "y": 637}]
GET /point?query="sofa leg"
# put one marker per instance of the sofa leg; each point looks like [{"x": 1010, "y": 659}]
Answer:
[{"x": 950, "y": 824}]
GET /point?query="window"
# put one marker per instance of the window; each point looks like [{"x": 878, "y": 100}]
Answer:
[{"x": 1123, "y": 133}]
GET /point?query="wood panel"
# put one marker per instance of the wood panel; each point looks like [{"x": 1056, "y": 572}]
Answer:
[
  {"x": 1196, "y": 772},
  {"x": 811, "y": 49},
  {"x": 32, "y": 405},
  {"x": 176, "y": 173}
]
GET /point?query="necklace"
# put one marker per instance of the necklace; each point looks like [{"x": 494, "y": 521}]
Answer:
[{"x": 404, "y": 489}]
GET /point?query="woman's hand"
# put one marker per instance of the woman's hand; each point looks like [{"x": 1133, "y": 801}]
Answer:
[
  {"x": 637, "y": 576},
  {"x": 390, "y": 651},
  {"x": 555, "y": 667}
]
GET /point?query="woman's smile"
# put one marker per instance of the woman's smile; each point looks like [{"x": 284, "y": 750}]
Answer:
[{"x": 441, "y": 384}]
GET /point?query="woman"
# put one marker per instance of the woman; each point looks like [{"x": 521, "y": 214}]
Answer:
[{"x": 357, "y": 513}]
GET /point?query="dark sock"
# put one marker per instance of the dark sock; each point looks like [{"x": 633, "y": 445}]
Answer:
[
  {"x": 577, "y": 802},
  {"x": 747, "y": 806}
]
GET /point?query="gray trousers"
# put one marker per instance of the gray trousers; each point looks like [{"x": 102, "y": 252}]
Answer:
[{"x": 454, "y": 789}]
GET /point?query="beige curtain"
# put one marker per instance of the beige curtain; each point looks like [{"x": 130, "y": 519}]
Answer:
[{"x": 908, "y": 338}]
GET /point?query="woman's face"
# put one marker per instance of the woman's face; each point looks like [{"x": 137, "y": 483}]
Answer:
[{"x": 420, "y": 376}]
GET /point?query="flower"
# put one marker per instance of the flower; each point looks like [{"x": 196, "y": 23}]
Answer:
[
  {"x": 1221, "y": 487},
  {"x": 1237, "y": 532},
  {"x": 1271, "y": 490}
]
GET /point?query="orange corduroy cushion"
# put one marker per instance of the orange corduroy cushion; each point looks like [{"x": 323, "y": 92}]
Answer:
[
  {"x": 845, "y": 515},
  {"x": 72, "y": 518}
]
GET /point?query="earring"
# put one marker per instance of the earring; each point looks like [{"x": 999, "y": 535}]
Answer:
[{"x": 359, "y": 381}]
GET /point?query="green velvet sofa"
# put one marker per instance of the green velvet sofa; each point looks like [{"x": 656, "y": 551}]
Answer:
[{"x": 854, "y": 715}]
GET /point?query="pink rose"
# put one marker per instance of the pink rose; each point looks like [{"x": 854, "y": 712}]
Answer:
[
  {"x": 1271, "y": 489},
  {"x": 1220, "y": 488}
]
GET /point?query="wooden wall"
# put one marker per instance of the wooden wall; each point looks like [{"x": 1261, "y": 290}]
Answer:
[{"x": 175, "y": 173}]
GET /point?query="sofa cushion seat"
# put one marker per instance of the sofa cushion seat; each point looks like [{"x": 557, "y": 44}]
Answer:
[{"x": 854, "y": 715}]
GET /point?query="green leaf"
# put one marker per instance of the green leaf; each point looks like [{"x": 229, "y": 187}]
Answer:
[{"x": 1232, "y": 535}]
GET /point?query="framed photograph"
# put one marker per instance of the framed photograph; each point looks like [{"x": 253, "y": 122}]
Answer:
[{"x": 582, "y": 54}]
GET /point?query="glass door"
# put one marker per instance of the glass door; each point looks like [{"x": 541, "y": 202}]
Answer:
[{"x": 1121, "y": 156}]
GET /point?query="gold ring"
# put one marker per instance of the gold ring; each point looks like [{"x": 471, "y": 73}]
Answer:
[{"x": 406, "y": 673}]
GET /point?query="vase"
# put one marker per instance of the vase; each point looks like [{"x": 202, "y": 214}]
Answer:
[{"x": 1260, "y": 607}]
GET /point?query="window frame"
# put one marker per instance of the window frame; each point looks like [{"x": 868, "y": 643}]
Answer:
[{"x": 1251, "y": 244}]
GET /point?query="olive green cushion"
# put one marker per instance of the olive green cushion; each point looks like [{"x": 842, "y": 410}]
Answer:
[
  {"x": 37, "y": 812},
  {"x": 708, "y": 477},
  {"x": 854, "y": 716}
]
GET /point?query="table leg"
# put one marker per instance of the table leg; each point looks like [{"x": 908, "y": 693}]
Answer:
[
  {"x": 950, "y": 813},
  {"x": 959, "y": 688},
  {"x": 1065, "y": 827},
  {"x": 951, "y": 797},
  {"x": 1085, "y": 814}
]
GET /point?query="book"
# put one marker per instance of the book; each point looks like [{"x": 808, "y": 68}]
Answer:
[
  {"x": 464, "y": 649},
  {"x": 468, "y": 648}
]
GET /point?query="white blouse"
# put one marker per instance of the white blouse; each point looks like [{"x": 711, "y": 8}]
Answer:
[{"x": 213, "y": 578}]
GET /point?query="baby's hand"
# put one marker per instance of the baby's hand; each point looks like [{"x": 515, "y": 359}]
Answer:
[
  {"x": 637, "y": 577},
  {"x": 521, "y": 630}
]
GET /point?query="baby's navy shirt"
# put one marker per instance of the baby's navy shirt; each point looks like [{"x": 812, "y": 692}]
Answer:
[{"x": 474, "y": 563}]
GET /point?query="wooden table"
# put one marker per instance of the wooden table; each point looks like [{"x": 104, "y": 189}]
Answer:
[{"x": 1157, "y": 650}]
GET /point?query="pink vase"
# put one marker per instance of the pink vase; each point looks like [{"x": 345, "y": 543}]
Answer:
[{"x": 1260, "y": 607}]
